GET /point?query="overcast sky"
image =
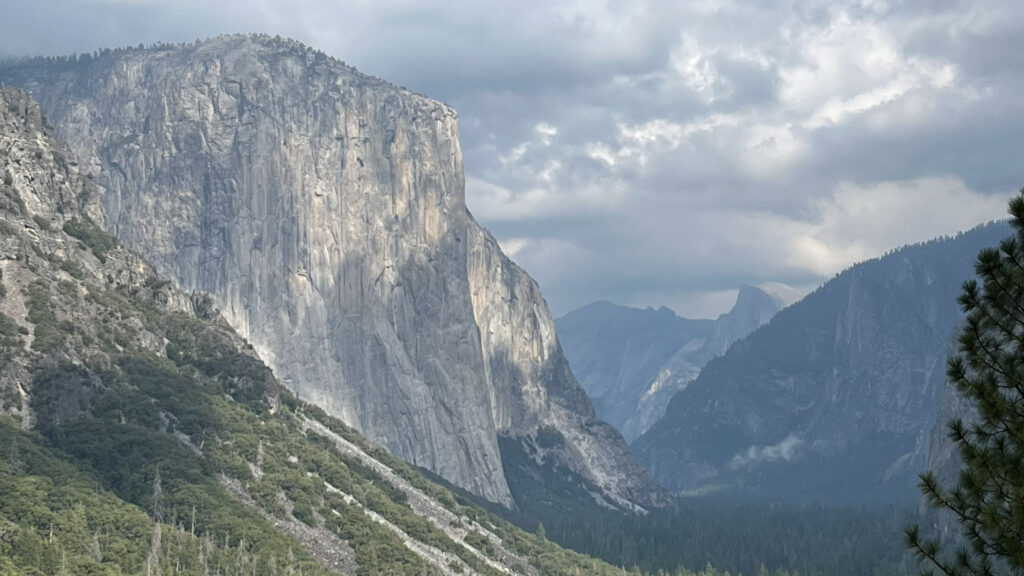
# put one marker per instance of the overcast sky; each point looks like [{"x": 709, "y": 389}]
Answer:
[{"x": 651, "y": 153}]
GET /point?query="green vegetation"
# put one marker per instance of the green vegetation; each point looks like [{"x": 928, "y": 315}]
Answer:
[
  {"x": 57, "y": 520},
  {"x": 988, "y": 501},
  {"x": 207, "y": 411},
  {"x": 121, "y": 141},
  {"x": 73, "y": 269},
  {"x": 6, "y": 228},
  {"x": 49, "y": 333},
  {"x": 88, "y": 233},
  {"x": 10, "y": 340},
  {"x": 50, "y": 512},
  {"x": 549, "y": 437},
  {"x": 8, "y": 329},
  {"x": 118, "y": 422},
  {"x": 743, "y": 538},
  {"x": 10, "y": 198},
  {"x": 740, "y": 538}
]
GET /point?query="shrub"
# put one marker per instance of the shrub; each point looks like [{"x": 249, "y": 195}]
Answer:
[
  {"x": 43, "y": 223},
  {"x": 89, "y": 234}
]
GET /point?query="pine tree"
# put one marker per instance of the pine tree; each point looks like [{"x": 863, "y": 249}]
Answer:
[
  {"x": 153, "y": 560},
  {"x": 15, "y": 465},
  {"x": 95, "y": 552},
  {"x": 988, "y": 500}
]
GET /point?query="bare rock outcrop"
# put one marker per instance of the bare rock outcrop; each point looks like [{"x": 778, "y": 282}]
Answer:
[{"x": 324, "y": 212}]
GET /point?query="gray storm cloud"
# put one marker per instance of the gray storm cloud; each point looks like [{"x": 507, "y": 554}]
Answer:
[{"x": 651, "y": 153}]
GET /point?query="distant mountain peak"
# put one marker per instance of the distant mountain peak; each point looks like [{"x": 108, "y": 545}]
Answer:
[
  {"x": 631, "y": 361},
  {"x": 783, "y": 294}
]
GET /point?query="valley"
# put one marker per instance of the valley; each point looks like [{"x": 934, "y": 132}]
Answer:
[{"x": 248, "y": 325}]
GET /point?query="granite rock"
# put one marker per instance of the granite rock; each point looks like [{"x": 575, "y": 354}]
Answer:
[{"x": 324, "y": 212}]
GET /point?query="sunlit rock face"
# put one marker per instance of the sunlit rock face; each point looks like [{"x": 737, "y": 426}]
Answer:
[
  {"x": 835, "y": 399},
  {"x": 324, "y": 211}
]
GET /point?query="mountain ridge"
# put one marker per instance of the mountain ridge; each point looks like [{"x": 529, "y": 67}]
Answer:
[{"x": 833, "y": 401}]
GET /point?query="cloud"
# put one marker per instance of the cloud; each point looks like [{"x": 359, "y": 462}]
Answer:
[
  {"x": 784, "y": 451},
  {"x": 662, "y": 153},
  {"x": 690, "y": 248},
  {"x": 861, "y": 221}
]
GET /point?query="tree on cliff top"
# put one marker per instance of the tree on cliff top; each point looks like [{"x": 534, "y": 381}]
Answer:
[{"x": 988, "y": 500}]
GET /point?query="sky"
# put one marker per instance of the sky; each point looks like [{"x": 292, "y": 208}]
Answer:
[{"x": 662, "y": 152}]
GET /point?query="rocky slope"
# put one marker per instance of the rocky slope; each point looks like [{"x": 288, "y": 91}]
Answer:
[
  {"x": 832, "y": 401},
  {"x": 944, "y": 458},
  {"x": 631, "y": 362},
  {"x": 943, "y": 455},
  {"x": 140, "y": 434},
  {"x": 324, "y": 212}
]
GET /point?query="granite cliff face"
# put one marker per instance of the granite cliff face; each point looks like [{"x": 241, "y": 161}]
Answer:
[
  {"x": 324, "y": 212},
  {"x": 631, "y": 362},
  {"x": 42, "y": 195},
  {"x": 834, "y": 400},
  {"x": 944, "y": 456},
  {"x": 110, "y": 377}
]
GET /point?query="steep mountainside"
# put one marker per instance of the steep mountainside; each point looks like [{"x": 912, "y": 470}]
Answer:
[
  {"x": 631, "y": 362},
  {"x": 943, "y": 455},
  {"x": 324, "y": 212},
  {"x": 944, "y": 458},
  {"x": 834, "y": 399},
  {"x": 139, "y": 434}
]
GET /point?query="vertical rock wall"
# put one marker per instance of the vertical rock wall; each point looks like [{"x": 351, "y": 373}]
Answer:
[{"x": 324, "y": 210}]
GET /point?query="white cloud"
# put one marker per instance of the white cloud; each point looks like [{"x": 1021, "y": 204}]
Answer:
[
  {"x": 696, "y": 66},
  {"x": 600, "y": 151},
  {"x": 856, "y": 222},
  {"x": 545, "y": 133},
  {"x": 512, "y": 246},
  {"x": 862, "y": 221},
  {"x": 769, "y": 151},
  {"x": 784, "y": 451}
]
